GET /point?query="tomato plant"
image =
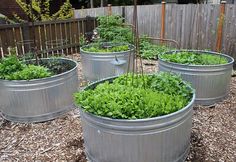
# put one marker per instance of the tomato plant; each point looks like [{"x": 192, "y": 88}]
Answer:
[{"x": 112, "y": 29}]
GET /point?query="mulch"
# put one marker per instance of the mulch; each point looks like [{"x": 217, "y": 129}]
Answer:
[{"x": 213, "y": 133}]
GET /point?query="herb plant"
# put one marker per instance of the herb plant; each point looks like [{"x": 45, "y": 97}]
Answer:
[
  {"x": 103, "y": 48},
  {"x": 193, "y": 58},
  {"x": 158, "y": 95}
]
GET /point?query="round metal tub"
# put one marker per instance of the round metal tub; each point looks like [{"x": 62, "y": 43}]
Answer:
[
  {"x": 39, "y": 99},
  {"x": 211, "y": 82},
  {"x": 162, "y": 139},
  {"x": 96, "y": 66}
]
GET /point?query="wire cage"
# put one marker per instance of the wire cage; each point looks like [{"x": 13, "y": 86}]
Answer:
[
  {"x": 56, "y": 47},
  {"x": 25, "y": 47}
]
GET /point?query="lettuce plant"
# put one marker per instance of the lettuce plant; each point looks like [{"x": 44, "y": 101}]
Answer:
[
  {"x": 143, "y": 97},
  {"x": 194, "y": 58},
  {"x": 13, "y": 69}
]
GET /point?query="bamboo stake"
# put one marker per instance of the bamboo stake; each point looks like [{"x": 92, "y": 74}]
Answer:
[{"x": 220, "y": 26}]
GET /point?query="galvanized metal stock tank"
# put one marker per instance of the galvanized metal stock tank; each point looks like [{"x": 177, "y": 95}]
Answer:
[
  {"x": 159, "y": 139},
  {"x": 211, "y": 82},
  {"x": 96, "y": 66},
  {"x": 39, "y": 99}
]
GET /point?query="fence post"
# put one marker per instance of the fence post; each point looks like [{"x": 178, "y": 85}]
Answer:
[
  {"x": 123, "y": 13},
  {"x": 220, "y": 26},
  {"x": 109, "y": 10},
  {"x": 163, "y": 14},
  {"x": 91, "y": 4}
]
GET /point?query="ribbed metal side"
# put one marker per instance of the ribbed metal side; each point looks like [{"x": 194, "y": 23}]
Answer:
[
  {"x": 160, "y": 139},
  {"x": 96, "y": 66},
  {"x": 211, "y": 82},
  {"x": 40, "y": 99}
]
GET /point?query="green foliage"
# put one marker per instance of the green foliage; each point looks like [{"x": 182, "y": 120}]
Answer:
[
  {"x": 30, "y": 72},
  {"x": 101, "y": 48},
  {"x": 112, "y": 29},
  {"x": 151, "y": 51},
  {"x": 193, "y": 58},
  {"x": 161, "y": 82},
  {"x": 56, "y": 66},
  {"x": 5, "y": 19},
  {"x": 10, "y": 65},
  {"x": 41, "y": 10},
  {"x": 27, "y": 56},
  {"x": 65, "y": 11},
  {"x": 160, "y": 95},
  {"x": 12, "y": 69}
]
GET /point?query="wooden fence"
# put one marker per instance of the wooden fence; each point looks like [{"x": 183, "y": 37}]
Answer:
[
  {"x": 50, "y": 36},
  {"x": 194, "y": 26}
]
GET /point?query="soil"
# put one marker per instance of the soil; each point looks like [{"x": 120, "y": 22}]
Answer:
[{"x": 213, "y": 133}]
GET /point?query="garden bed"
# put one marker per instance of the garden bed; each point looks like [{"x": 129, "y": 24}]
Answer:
[{"x": 213, "y": 134}]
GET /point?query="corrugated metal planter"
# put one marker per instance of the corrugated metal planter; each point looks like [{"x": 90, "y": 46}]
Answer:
[
  {"x": 160, "y": 139},
  {"x": 96, "y": 66},
  {"x": 211, "y": 82},
  {"x": 39, "y": 99}
]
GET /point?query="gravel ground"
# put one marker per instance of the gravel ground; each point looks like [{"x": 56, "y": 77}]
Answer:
[{"x": 213, "y": 134}]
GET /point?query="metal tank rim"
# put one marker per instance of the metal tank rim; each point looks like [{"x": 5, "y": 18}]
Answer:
[
  {"x": 46, "y": 78},
  {"x": 229, "y": 58},
  {"x": 94, "y": 84},
  {"x": 107, "y": 53}
]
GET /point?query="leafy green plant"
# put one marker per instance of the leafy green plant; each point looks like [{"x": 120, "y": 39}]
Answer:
[
  {"x": 112, "y": 29},
  {"x": 103, "y": 48},
  {"x": 161, "y": 82},
  {"x": 30, "y": 72},
  {"x": 149, "y": 50},
  {"x": 56, "y": 66},
  {"x": 194, "y": 58},
  {"x": 10, "y": 65},
  {"x": 124, "y": 100},
  {"x": 13, "y": 69}
]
